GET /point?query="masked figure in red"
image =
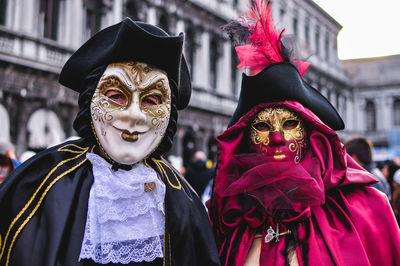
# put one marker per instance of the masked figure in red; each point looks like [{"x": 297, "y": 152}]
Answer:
[{"x": 286, "y": 192}]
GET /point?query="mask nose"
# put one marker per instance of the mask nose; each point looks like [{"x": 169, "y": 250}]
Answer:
[
  {"x": 277, "y": 139},
  {"x": 133, "y": 115}
]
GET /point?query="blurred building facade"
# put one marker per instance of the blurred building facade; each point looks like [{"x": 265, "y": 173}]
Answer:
[
  {"x": 37, "y": 37},
  {"x": 376, "y": 109}
]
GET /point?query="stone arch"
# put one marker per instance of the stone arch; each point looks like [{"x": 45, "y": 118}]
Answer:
[
  {"x": 4, "y": 124},
  {"x": 44, "y": 129}
]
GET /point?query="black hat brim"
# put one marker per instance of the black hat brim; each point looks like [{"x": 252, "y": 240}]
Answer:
[{"x": 281, "y": 82}]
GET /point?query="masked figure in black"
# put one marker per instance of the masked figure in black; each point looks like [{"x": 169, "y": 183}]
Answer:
[{"x": 110, "y": 197}]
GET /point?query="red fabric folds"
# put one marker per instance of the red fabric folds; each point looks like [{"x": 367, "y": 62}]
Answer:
[
  {"x": 277, "y": 185},
  {"x": 336, "y": 217}
]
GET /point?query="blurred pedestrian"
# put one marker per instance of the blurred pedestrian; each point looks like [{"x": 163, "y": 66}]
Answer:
[
  {"x": 6, "y": 166},
  {"x": 8, "y": 149},
  {"x": 360, "y": 149},
  {"x": 388, "y": 170},
  {"x": 197, "y": 173},
  {"x": 8, "y": 160}
]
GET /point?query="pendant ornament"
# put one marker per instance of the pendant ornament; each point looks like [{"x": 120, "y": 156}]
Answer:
[{"x": 271, "y": 234}]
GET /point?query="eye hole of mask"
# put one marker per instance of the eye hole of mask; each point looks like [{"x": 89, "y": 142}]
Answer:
[
  {"x": 151, "y": 100},
  {"x": 117, "y": 97},
  {"x": 290, "y": 124},
  {"x": 262, "y": 126}
]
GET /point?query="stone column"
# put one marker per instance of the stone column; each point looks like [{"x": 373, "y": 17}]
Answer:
[
  {"x": 383, "y": 111},
  {"x": 16, "y": 11},
  {"x": 180, "y": 26},
  {"x": 28, "y": 11},
  {"x": 301, "y": 15},
  {"x": 349, "y": 114},
  {"x": 194, "y": 65},
  {"x": 67, "y": 36},
  {"x": 4, "y": 123},
  {"x": 361, "y": 115},
  {"x": 275, "y": 12},
  {"x": 11, "y": 12},
  {"x": 333, "y": 99},
  {"x": 77, "y": 25},
  {"x": 205, "y": 45},
  {"x": 117, "y": 11},
  {"x": 339, "y": 100},
  {"x": 152, "y": 15},
  {"x": 324, "y": 90},
  {"x": 224, "y": 82},
  {"x": 389, "y": 109},
  {"x": 202, "y": 62},
  {"x": 322, "y": 34},
  {"x": 284, "y": 21},
  {"x": 312, "y": 29},
  {"x": 333, "y": 53}
]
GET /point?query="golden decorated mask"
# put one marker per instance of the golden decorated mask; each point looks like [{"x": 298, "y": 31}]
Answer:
[
  {"x": 130, "y": 110},
  {"x": 278, "y": 133}
]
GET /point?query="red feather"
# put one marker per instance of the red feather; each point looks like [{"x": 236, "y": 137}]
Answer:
[{"x": 265, "y": 47}]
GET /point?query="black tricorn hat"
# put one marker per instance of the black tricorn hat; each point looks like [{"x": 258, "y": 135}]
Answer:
[
  {"x": 280, "y": 82},
  {"x": 131, "y": 41}
]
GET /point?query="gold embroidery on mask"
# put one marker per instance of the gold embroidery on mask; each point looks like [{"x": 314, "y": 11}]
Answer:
[
  {"x": 281, "y": 120},
  {"x": 113, "y": 83},
  {"x": 155, "y": 85},
  {"x": 139, "y": 71},
  {"x": 161, "y": 111},
  {"x": 160, "y": 89},
  {"x": 99, "y": 111}
]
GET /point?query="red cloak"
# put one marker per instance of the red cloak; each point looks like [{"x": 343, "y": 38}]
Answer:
[{"x": 336, "y": 217}]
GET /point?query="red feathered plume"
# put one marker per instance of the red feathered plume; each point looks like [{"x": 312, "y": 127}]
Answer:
[{"x": 265, "y": 47}]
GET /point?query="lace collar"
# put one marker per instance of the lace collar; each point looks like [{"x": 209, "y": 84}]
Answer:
[{"x": 125, "y": 219}]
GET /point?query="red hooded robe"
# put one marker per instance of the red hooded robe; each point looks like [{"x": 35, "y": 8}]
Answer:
[{"x": 338, "y": 219}]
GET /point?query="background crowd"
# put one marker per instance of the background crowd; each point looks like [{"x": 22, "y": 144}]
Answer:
[{"x": 199, "y": 173}]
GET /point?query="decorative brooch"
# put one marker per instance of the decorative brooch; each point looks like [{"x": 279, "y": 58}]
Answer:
[
  {"x": 271, "y": 234},
  {"x": 149, "y": 186}
]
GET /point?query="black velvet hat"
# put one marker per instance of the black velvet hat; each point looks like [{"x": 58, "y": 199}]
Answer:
[
  {"x": 131, "y": 41},
  {"x": 276, "y": 77},
  {"x": 280, "y": 82}
]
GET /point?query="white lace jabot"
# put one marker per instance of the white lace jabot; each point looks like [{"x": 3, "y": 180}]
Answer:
[{"x": 124, "y": 222}]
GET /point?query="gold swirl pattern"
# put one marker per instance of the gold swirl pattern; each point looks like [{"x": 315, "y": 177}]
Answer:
[
  {"x": 139, "y": 71},
  {"x": 278, "y": 119},
  {"x": 100, "y": 111}
]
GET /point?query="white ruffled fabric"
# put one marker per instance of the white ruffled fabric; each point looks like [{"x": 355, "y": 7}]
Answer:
[{"x": 124, "y": 223}]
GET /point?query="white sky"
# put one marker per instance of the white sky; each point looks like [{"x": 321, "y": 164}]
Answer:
[{"x": 370, "y": 28}]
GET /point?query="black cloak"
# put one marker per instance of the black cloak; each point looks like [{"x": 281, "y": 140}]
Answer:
[{"x": 43, "y": 206}]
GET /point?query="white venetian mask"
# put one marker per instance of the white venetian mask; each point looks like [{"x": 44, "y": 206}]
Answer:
[{"x": 130, "y": 110}]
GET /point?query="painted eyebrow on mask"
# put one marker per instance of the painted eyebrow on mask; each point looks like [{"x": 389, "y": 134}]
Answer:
[
  {"x": 123, "y": 84},
  {"x": 149, "y": 84}
]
